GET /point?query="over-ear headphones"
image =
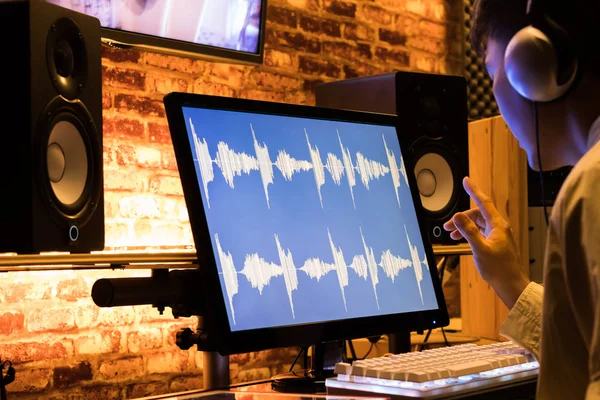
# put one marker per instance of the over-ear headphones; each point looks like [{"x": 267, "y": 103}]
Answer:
[{"x": 541, "y": 60}]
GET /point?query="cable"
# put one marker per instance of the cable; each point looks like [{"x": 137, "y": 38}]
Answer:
[
  {"x": 302, "y": 349},
  {"x": 352, "y": 351},
  {"x": 369, "y": 352},
  {"x": 539, "y": 157}
]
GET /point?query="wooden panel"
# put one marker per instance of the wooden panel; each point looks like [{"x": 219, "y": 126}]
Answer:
[{"x": 499, "y": 167}]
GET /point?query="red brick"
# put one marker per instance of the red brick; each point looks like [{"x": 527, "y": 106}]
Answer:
[
  {"x": 173, "y": 208},
  {"x": 312, "y": 5},
  {"x": 423, "y": 62},
  {"x": 122, "y": 128},
  {"x": 125, "y": 155},
  {"x": 233, "y": 76},
  {"x": 282, "y": 16},
  {"x": 360, "y": 69},
  {"x": 72, "y": 375},
  {"x": 185, "y": 383},
  {"x": 201, "y": 86},
  {"x": 50, "y": 319},
  {"x": 106, "y": 101},
  {"x": 120, "y": 55},
  {"x": 317, "y": 66},
  {"x": 11, "y": 322},
  {"x": 98, "y": 342},
  {"x": 159, "y": 133},
  {"x": 408, "y": 25},
  {"x": 122, "y": 369},
  {"x": 432, "y": 9},
  {"x": 166, "y": 185},
  {"x": 123, "y": 78},
  {"x": 17, "y": 292},
  {"x": 276, "y": 58},
  {"x": 348, "y": 51},
  {"x": 142, "y": 106},
  {"x": 160, "y": 233},
  {"x": 354, "y": 31},
  {"x": 263, "y": 95},
  {"x": 103, "y": 392},
  {"x": 36, "y": 351},
  {"x": 173, "y": 362},
  {"x": 377, "y": 15},
  {"x": 30, "y": 381},
  {"x": 269, "y": 80},
  {"x": 169, "y": 162},
  {"x": 117, "y": 316},
  {"x": 87, "y": 316},
  {"x": 164, "y": 85},
  {"x": 73, "y": 290},
  {"x": 294, "y": 40},
  {"x": 392, "y": 37},
  {"x": 118, "y": 234},
  {"x": 297, "y": 97},
  {"x": 139, "y": 390},
  {"x": 255, "y": 374},
  {"x": 124, "y": 180},
  {"x": 433, "y": 29},
  {"x": 172, "y": 63},
  {"x": 341, "y": 8},
  {"x": 317, "y": 24},
  {"x": 144, "y": 339},
  {"x": 138, "y": 206},
  {"x": 429, "y": 45},
  {"x": 399, "y": 57},
  {"x": 108, "y": 154}
]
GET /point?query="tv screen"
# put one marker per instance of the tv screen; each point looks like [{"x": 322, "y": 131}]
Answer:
[{"x": 223, "y": 29}]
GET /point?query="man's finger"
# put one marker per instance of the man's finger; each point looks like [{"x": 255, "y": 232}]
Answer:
[
  {"x": 487, "y": 208},
  {"x": 474, "y": 214},
  {"x": 469, "y": 230},
  {"x": 456, "y": 235}
]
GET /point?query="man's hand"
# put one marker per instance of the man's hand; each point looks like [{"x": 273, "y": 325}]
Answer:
[{"x": 494, "y": 249}]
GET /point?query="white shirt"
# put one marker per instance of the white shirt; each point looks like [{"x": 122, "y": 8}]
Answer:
[{"x": 560, "y": 322}]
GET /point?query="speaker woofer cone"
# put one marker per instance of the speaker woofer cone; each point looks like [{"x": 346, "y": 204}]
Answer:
[
  {"x": 70, "y": 172},
  {"x": 66, "y": 56}
]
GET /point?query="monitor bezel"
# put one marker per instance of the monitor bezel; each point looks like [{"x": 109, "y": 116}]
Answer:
[{"x": 217, "y": 333}]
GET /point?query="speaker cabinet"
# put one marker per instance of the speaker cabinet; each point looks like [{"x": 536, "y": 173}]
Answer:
[
  {"x": 51, "y": 164},
  {"x": 432, "y": 113}
]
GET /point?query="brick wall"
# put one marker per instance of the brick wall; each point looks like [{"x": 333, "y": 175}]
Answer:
[{"x": 65, "y": 347}]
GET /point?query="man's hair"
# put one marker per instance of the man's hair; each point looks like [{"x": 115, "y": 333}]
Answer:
[{"x": 501, "y": 19}]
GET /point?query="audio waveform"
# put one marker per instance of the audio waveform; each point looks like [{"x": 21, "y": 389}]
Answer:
[
  {"x": 260, "y": 272},
  {"x": 235, "y": 164}
]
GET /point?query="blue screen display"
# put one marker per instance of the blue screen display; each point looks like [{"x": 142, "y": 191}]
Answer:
[{"x": 310, "y": 220}]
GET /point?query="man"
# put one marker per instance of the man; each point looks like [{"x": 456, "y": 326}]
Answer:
[{"x": 563, "y": 329}]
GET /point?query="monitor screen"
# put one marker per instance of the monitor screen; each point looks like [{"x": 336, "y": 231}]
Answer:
[
  {"x": 234, "y": 26},
  {"x": 311, "y": 220}
]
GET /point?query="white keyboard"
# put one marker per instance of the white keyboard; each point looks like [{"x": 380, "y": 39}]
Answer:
[{"x": 436, "y": 373}]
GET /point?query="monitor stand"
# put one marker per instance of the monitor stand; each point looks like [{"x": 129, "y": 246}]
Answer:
[{"x": 323, "y": 359}]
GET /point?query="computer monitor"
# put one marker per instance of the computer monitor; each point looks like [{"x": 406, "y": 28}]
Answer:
[
  {"x": 306, "y": 223},
  {"x": 215, "y": 29}
]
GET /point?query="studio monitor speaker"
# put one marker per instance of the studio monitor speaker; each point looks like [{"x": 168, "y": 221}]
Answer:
[
  {"x": 432, "y": 115},
  {"x": 51, "y": 112}
]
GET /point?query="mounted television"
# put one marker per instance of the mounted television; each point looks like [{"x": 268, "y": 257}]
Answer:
[{"x": 214, "y": 29}]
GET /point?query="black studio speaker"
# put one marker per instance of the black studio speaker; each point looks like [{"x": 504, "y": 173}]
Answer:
[
  {"x": 432, "y": 112},
  {"x": 51, "y": 164}
]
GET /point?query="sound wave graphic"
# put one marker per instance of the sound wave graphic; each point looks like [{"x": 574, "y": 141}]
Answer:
[
  {"x": 260, "y": 272},
  {"x": 235, "y": 164}
]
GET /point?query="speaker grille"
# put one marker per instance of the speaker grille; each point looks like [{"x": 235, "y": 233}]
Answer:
[{"x": 481, "y": 100}]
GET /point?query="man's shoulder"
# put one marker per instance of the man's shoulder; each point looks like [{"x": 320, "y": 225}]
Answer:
[{"x": 583, "y": 181}]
